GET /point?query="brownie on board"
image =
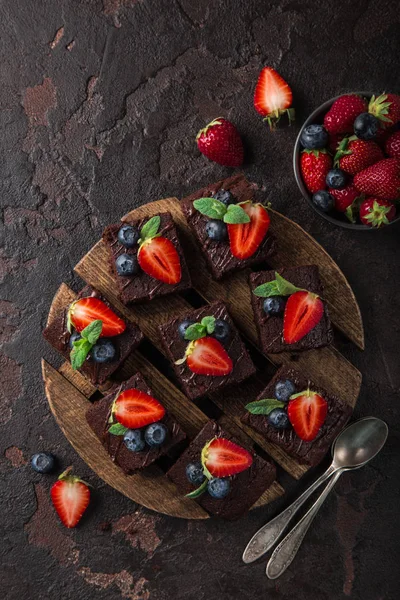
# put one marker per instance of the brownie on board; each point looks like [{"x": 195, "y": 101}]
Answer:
[
  {"x": 98, "y": 414},
  {"x": 270, "y": 328},
  {"x": 142, "y": 287},
  {"x": 246, "y": 487},
  {"x": 195, "y": 385},
  {"x": 218, "y": 254},
  {"x": 313, "y": 452},
  {"x": 57, "y": 335}
]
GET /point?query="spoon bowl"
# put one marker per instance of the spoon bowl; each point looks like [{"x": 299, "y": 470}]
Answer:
[{"x": 359, "y": 443}]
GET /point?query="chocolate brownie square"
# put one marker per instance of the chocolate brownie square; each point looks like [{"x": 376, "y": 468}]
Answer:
[
  {"x": 313, "y": 452},
  {"x": 142, "y": 287},
  {"x": 270, "y": 328},
  {"x": 56, "y": 333},
  {"x": 218, "y": 254},
  {"x": 98, "y": 414},
  {"x": 195, "y": 385},
  {"x": 246, "y": 487}
]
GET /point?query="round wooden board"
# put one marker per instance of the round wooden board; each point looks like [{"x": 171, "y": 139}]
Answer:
[{"x": 68, "y": 392}]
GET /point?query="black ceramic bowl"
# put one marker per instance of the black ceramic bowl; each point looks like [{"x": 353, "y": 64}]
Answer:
[{"x": 335, "y": 217}]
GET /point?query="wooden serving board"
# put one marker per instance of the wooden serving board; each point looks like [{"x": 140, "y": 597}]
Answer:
[{"x": 69, "y": 392}]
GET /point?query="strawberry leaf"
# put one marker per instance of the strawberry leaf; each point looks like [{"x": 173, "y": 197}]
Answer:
[
  {"x": 150, "y": 229},
  {"x": 79, "y": 352},
  {"x": 92, "y": 332},
  {"x": 209, "y": 324},
  {"x": 235, "y": 215},
  {"x": 210, "y": 207},
  {"x": 117, "y": 429},
  {"x": 199, "y": 491},
  {"x": 264, "y": 406}
]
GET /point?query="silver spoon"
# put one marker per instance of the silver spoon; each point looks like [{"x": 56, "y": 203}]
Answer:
[{"x": 353, "y": 447}]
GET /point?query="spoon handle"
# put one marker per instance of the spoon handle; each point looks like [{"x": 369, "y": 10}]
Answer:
[
  {"x": 285, "y": 552},
  {"x": 266, "y": 537}
]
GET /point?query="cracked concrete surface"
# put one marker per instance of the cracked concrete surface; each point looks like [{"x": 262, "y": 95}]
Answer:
[{"x": 100, "y": 103}]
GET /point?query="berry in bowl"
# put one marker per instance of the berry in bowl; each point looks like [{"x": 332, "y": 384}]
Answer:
[{"x": 346, "y": 160}]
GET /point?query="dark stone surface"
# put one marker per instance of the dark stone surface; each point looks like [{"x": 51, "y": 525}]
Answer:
[{"x": 100, "y": 104}]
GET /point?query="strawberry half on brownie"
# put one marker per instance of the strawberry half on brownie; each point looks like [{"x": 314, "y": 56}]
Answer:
[
  {"x": 206, "y": 350},
  {"x": 146, "y": 258},
  {"x": 232, "y": 229}
]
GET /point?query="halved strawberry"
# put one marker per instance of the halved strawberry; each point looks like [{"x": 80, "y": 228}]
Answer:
[
  {"x": 307, "y": 413},
  {"x": 70, "y": 496},
  {"x": 245, "y": 238},
  {"x": 207, "y": 356},
  {"x": 159, "y": 258},
  {"x": 303, "y": 312},
  {"x": 273, "y": 96},
  {"x": 135, "y": 409},
  {"x": 86, "y": 310},
  {"x": 223, "y": 458}
]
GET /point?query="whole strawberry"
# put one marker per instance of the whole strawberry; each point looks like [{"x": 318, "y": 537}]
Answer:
[
  {"x": 376, "y": 212},
  {"x": 340, "y": 117},
  {"x": 344, "y": 197},
  {"x": 386, "y": 108},
  {"x": 354, "y": 155},
  {"x": 381, "y": 179},
  {"x": 392, "y": 145},
  {"x": 314, "y": 165},
  {"x": 221, "y": 142}
]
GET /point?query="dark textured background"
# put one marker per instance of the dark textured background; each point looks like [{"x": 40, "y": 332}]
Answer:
[{"x": 100, "y": 104}]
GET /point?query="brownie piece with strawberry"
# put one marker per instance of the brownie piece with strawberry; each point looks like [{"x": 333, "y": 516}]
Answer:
[
  {"x": 133, "y": 425},
  {"x": 289, "y": 310},
  {"x": 231, "y": 229},
  {"x": 146, "y": 258},
  {"x": 206, "y": 350},
  {"x": 93, "y": 335},
  {"x": 297, "y": 415},
  {"x": 225, "y": 477}
]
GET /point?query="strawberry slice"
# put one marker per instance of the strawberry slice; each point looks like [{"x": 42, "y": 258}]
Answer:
[
  {"x": 307, "y": 412},
  {"x": 135, "y": 409},
  {"x": 223, "y": 458},
  {"x": 207, "y": 356},
  {"x": 273, "y": 96},
  {"x": 245, "y": 238},
  {"x": 303, "y": 312},
  {"x": 70, "y": 496},
  {"x": 86, "y": 310},
  {"x": 159, "y": 258}
]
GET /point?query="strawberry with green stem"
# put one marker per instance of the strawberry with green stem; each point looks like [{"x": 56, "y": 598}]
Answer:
[
  {"x": 220, "y": 141},
  {"x": 353, "y": 155},
  {"x": 386, "y": 108},
  {"x": 314, "y": 166},
  {"x": 86, "y": 310},
  {"x": 273, "y": 97},
  {"x": 307, "y": 413},
  {"x": 157, "y": 255},
  {"x": 376, "y": 212},
  {"x": 70, "y": 496},
  {"x": 133, "y": 409},
  {"x": 343, "y": 112}
]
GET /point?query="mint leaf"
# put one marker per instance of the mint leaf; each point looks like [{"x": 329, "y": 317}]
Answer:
[
  {"x": 277, "y": 287},
  {"x": 79, "y": 352},
  {"x": 117, "y": 429},
  {"x": 195, "y": 332},
  {"x": 285, "y": 287},
  {"x": 210, "y": 207},
  {"x": 199, "y": 491},
  {"x": 92, "y": 332},
  {"x": 235, "y": 214},
  {"x": 264, "y": 406},
  {"x": 209, "y": 324},
  {"x": 150, "y": 229}
]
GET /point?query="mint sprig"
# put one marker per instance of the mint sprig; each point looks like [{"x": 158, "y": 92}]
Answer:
[
  {"x": 214, "y": 209},
  {"x": 277, "y": 287},
  {"x": 200, "y": 330},
  {"x": 264, "y": 406},
  {"x": 117, "y": 429},
  {"x": 150, "y": 229},
  {"x": 83, "y": 346}
]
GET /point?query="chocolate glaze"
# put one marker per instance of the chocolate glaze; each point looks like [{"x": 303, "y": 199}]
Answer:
[
  {"x": 218, "y": 254},
  {"x": 312, "y": 452},
  {"x": 142, "y": 287},
  {"x": 194, "y": 385},
  {"x": 246, "y": 487}
]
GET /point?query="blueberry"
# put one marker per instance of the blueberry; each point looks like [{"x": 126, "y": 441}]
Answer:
[
  {"x": 134, "y": 441},
  {"x": 314, "y": 137},
  {"x": 274, "y": 305},
  {"x": 43, "y": 462},
  {"x": 336, "y": 179},
  {"x": 216, "y": 230},
  {"x": 218, "y": 488},
  {"x": 225, "y": 197},
  {"x": 127, "y": 265},
  {"x": 194, "y": 472},
  {"x": 183, "y": 326},
  {"x": 323, "y": 200},
  {"x": 366, "y": 126},
  {"x": 128, "y": 236},
  {"x": 74, "y": 337},
  {"x": 156, "y": 434},
  {"x": 278, "y": 418},
  {"x": 103, "y": 351},
  {"x": 222, "y": 331},
  {"x": 284, "y": 388}
]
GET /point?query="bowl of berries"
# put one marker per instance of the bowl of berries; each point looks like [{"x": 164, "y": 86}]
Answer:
[{"x": 346, "y": 160}]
